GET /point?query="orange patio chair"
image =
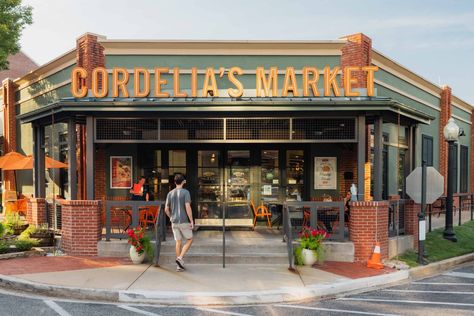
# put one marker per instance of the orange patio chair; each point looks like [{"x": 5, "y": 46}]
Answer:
[{"x": 262, "y": 212}]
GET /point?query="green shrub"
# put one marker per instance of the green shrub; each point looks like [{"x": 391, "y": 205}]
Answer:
[
  {"x": 25, "y": 244},
  {"x": 2, "y": 230},
  {"x": 4, "y": 247},
  {"x": 12, "y": 221},
  {"x": 27, "y": 232}
]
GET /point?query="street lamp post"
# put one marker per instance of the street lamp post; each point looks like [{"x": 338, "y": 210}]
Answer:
[{"x": 451, "y": 134}]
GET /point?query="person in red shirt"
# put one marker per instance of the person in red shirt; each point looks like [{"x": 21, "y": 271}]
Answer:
[{"x": 138, "y": 190}]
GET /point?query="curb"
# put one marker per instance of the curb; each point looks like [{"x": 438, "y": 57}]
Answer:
[
  {"x": 440, "y": 266},
  {"x": 289, "y": 294}
]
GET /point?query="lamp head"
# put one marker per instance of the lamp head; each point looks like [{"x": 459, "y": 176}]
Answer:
[{"x": 451, "y": 131}]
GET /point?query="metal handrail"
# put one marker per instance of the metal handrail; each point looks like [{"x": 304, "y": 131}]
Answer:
[
  {"x": 287, "y": 236},
  {"x": 134, "y": 206},
  {"x": 160, "y": 233}
]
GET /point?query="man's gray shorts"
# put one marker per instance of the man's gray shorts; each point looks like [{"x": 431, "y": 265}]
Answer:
[{"x": 182, "y": 231}]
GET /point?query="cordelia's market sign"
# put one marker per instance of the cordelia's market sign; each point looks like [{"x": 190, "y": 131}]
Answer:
[{"x": 266, "y": 82}]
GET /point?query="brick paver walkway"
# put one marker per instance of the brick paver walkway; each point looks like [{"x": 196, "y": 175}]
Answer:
[
  {"x": 351, "y": 270},
  {"x": 53, "y": 264}
]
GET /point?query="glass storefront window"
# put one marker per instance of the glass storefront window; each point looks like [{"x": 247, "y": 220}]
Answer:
[
  {"x": 177, "y": 164},
  {"x": 210, "y": 185},
  {"x": 294, "y": 175},
  {"x": 238, "y": 184},
  {"x": 154, "y": 175},
  {"x": 270, "y": 176}
]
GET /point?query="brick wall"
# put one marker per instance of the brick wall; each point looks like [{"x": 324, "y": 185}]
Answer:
[
  {"x": 89, "y": 55},
  {"x": 36, "y": 212},
  {"x": 357, "y": 52},
  {"x": 9, "y": 119},
  {"x": 347, "y": 163},
  {"x": 445, "y": 114},
  {"x": 411, "y": 221},
  {"x": 368, "y": 224},
  {"x": 81, "y": 227}
]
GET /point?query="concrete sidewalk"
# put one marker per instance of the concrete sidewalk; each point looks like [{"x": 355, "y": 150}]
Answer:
[{"x": 119, "y": 280}]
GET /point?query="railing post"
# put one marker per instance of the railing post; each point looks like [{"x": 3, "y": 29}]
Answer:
[
  {"x": 472, "y": 206},
  {"x": 460, "y": 210},
  {"x": 430, "y": 208},
  {"x": 158, "y": 233},
  {"x": 223, "y": 234},
  {"x": 107, "y": 221}
]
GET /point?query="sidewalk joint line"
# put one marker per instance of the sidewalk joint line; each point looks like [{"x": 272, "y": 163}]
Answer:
[{"x": 138, "y": 277}]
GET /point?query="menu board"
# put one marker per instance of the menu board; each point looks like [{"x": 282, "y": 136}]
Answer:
[
  {"x": 325, "y": 173},
  {"x": 120, "y": 172}
]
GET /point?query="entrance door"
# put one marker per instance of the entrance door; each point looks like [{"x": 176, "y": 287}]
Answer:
[
  {"x": 238, "y": 188},
  {"x": 210, "y": 188}
]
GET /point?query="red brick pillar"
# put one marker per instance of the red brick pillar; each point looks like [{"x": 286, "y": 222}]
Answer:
[
  {"x": 89, "y": 55},
  {"x": 9, "y": 124},
  {"x": 81, "y": 229},
  {"x": 36, "y": 211},
  {"x": 445, "y": 114},
  {"x": 411, "y": 221},
  {"x": 358, "y": 52},
  {"x": 366, "y": 219}
]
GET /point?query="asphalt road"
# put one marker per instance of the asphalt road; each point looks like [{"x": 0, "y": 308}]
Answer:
[{"x": 451, "y": 293}]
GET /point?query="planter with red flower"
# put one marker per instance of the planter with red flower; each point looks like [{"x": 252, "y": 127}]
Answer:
[
  {"x": 140, "y": 245},
  {"x": 311, "y": 248}
]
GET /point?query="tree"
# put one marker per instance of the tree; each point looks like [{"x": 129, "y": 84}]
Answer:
[{"x": 13, "y": 19}]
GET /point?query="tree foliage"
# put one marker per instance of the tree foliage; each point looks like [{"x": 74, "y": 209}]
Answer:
[{"x": 13, "y": 18}]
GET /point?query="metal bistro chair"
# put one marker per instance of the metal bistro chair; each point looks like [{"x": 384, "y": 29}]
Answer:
[{"x": 262, "y": 212}]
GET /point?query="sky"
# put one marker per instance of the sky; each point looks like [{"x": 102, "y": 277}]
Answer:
[{"x": 435, "y": 39}]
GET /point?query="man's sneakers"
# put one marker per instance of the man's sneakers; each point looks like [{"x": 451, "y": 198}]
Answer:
[
  {"x": 180, "y": 263},
  {"x": 179, "y": 269}
]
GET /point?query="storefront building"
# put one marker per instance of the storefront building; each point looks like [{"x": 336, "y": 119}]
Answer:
[{"x": 245, "y": 121}]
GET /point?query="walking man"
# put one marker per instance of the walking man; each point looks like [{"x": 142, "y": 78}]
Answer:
[{"x": 178, "y": 209}]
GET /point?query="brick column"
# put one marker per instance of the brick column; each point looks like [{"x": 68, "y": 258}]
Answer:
[
  {"x": 36, "y": 212},
  {"x": 358, "y": 52},
  {"x": 445, "y": 114},
  {"x": 411, "y": 221},
  {"x": 9, "y": 123},
  {"x": 89, "y": 55},
  {"x": 81, "y": 229},
  {"x": 366, "y": 219}
]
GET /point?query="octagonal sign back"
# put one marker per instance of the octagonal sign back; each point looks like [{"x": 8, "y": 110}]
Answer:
[{"x": 434, "y": 185}]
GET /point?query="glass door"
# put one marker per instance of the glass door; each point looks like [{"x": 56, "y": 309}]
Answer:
[
  {"x": 176, "y": 164},
  {"x": 238, "y": 188},
  {"x": 295, "y": 175},
  {"x": 270, "y": 176},
  {"x": 210, "y": 188}
]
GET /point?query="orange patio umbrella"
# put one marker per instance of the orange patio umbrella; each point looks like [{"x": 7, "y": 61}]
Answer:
[
  {"x": 11, "y": 159},
  {"x": 16, "y": 161}
]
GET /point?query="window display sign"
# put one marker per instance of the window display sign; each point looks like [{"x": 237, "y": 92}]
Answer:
[
  {"x": 325, "y": 173},
  {"x": 121, "y": 172}
]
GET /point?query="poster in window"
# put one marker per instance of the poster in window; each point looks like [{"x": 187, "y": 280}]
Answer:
[
  {"x": 121, "y": 172},
  {"x": 325, "y": 173}
]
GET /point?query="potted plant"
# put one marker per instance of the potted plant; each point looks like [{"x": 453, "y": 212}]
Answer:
[
  {"x": 311, "y": 247},
  {"x": 140, "y": 245}
]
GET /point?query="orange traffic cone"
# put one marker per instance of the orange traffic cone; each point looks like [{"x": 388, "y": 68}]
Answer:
[{"x": 375, "y": 261}]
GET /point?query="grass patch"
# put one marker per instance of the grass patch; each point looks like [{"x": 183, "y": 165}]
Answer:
[{"x": 439, "y": 248}]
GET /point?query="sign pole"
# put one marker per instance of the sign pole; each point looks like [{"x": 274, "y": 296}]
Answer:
[{"x": 421, "y": 216}]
